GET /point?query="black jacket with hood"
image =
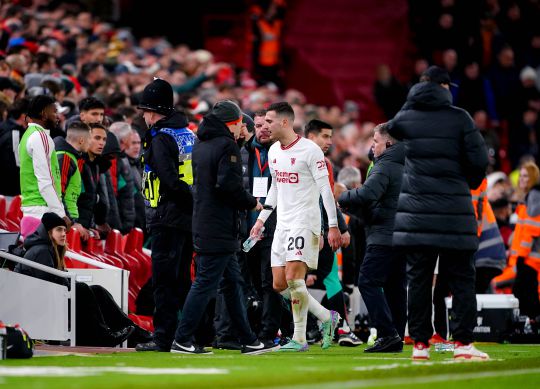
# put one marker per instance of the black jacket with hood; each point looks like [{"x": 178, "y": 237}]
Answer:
[
  {"x": 218, "y": 189},
  {"x": 161, "y": 153},
  {"x": 39, "y": 249},
  {"x": 377, "y": 199},
  {"x": 445, "y": 157}
]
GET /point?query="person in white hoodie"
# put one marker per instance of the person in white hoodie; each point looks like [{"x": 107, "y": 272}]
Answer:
[{"x": 40, "y": 174}]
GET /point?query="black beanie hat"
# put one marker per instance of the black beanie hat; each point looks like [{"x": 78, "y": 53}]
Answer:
[
  {"x": 158, "y": 97},
  {"x": 38, "y": 104},
  {"x": 248, "y": 121},
  {"x": 227, "y": 111},
  {"x": 51, "y": 220}
]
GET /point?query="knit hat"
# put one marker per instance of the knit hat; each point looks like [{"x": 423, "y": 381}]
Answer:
[
  {"x": 51, "y": 220},
  {"x": 438, "y": 75},
  {"x": 227, "y": 111},
  {"x": 248, "y": 121}
]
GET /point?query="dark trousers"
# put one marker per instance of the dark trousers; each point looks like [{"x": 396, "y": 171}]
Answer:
[
  {"x": 458, "y": 267},
  {"x": 526, "y": 289},
  {"x": 258, "y": 260},
  {"x": 334, "y": 299},
  {"x": 212, "y": 271},
  {"x": 383, "y": 285},
  {"x": 97, "y": 315},
  {"x": 172, "y": 250}
]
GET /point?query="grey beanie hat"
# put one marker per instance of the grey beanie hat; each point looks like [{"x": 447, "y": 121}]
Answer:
[{"x": 227, "y": 111}]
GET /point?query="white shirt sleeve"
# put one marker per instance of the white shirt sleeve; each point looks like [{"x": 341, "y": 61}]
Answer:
[
  {"x": 317, "y": 163},
  {"x": 328, "y": 200},
  {"x": 41, "y": 161}
]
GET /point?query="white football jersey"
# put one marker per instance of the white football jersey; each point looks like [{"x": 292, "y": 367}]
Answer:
[{"x": 294, "y": 170}]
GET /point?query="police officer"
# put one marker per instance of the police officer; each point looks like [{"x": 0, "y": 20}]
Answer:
[{"x": 167, "y": 180}]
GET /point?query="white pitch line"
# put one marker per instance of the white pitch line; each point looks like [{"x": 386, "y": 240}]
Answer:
[
  {"x": 396, "y": 381},
  {"x": 33, "y": 371}
]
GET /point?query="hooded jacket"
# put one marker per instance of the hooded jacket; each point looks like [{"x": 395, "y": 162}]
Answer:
[
  {"x": 39, "y": 249},
  {"x": 218, "y": 190},
  {"x": 120, "y": 187},
  {"x": 445, "y": 157},
  {"x": 377, "y": 199},
  {"x": 70, "y": 176},
  {"x": 161, "y": 154}
]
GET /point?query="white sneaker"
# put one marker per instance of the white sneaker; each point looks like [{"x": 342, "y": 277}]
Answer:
[
  {"x": 420, "y": 352},
  {"x": 469, "y": 352}
]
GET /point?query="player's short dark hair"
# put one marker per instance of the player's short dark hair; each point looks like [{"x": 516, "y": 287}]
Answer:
[
  {"x": 282, "y": 109},
  {"x": 89, "y": 103},
  {"x": 78, "y": 126},
  {"x": 260, "y": 112},
  {"x": 97, "y": 125},
  {"x": 38, "y": 104},
  {"x": 315, "y": 126}
]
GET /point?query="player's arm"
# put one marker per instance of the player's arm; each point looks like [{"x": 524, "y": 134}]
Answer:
[{"x": 319, "y": 171}]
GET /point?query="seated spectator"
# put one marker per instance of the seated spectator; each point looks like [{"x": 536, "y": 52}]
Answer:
[{"x": 100, "y": 321}]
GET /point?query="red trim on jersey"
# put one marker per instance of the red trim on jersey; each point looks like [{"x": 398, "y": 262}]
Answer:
[
  {"x": 292, "y": 144},
  {"x": 66, "y": 163},
  {"x": 330, "y": 173}
]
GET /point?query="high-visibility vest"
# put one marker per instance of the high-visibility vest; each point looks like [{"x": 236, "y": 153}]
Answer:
[
  {"x": 270, "y": 42},
  {"x": 526, "y": 241},
  {"x": 491, "y": 250}
]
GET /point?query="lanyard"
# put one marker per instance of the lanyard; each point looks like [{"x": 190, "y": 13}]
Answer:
[{"x": 261, "y": 168}]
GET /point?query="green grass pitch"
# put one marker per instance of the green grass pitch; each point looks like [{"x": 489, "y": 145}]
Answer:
[{"x": 511, "y": 366}]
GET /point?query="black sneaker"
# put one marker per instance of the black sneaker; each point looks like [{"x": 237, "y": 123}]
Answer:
[
  {"x": 258, "y": 347},
  {"x": 386, "y": 344},
  {"x": 188, "y": 348},
  {"x": 151, "y": 346},
  {"x": 228, "y": 345}
]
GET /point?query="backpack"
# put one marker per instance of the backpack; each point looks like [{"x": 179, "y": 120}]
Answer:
[{"x": 19, "y": 345}]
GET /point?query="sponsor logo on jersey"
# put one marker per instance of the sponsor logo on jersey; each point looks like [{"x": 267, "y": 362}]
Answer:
[
  {"x": 321, "y": 165},
  {"x": 299, "y": 252},
  {"x": 295, "y": 301},
  {"x": 287, "y": 178}
]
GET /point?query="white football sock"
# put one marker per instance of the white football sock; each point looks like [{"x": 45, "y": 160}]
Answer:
[
  {"x": 299, "y": 303},
  {"x": 314, "y": 306}
]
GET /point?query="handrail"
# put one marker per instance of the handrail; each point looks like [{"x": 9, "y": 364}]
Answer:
[
  {"x": 90, "y": 261},
  {"x": 58, "y": 273}
]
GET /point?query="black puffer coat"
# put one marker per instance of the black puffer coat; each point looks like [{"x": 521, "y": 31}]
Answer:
[
  {"x": 39, "y": 249},
  {"x": 218, "y": 191},
  {"x": 445, "y": 158},
  {"x": 377, "y": 199}
]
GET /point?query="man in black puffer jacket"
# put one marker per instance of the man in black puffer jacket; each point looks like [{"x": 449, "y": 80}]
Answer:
[
  {"x": 218, "y": 195},
  {"x": 445, "y": 158},
  {"x": 382, "y": 279}
]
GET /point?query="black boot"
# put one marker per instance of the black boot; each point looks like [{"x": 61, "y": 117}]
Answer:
[{"x": 386, "y": 344}]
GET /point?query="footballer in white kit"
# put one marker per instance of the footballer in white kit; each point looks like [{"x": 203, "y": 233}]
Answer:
[
  {"x": 299, "y": 177},
  {"x": 294, "y": 170}
]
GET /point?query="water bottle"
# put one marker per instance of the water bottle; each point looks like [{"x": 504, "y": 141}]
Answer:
[
  {"x": 372, "y": 336},
  {"x": 251, "y": 241}
]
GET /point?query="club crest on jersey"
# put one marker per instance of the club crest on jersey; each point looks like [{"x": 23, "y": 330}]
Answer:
[
  {"x": 293, "y": 160},
  {"x": 274, "y": 161}
]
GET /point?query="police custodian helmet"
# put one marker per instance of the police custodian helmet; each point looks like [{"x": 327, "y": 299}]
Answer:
[{"x": 158, "y": 97}]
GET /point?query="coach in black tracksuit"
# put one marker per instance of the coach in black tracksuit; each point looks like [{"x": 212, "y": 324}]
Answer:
[
  {"x": 382, "y": 280},
  {"x": 445, "y": 158}
]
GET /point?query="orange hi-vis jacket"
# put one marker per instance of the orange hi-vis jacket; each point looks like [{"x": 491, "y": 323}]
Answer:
[
  {"x": 526, "y": 241},
  {"x": 270, "y": 42},
  {"x": 491, "y": 250}
]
